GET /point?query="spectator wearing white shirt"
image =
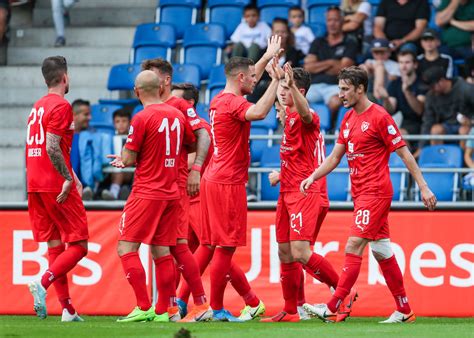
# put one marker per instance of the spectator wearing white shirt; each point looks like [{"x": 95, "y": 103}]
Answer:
[
  {"x": 357, "y": 20},
  {"x": 250, "y": 37},
  {"x": 303, "y": 34}
]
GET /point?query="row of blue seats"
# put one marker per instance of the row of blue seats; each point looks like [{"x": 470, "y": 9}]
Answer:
[{"x": 444, "y": 185}]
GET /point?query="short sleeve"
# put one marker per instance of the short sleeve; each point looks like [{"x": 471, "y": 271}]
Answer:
[
  {"x": 341, "y": 139},
  {"x": 423, "y": 10},
  {"x": 60, "y": 119},
  {"x": 315, "y": 122},
  {"x": 192, "y": 119},
  {"x": 388, "y": 131},
  {"x": 238, "y": 107},
  {"x": 365, "y": 8},
  {"x": 237, "y": 35},
  {"x": 188, "y": 137},
  {"x": 351, "y": 50},
  {"x": 136, "y": 134},
  {"x": 314, "y": 48}
]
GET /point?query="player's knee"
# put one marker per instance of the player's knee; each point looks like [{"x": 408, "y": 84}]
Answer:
[
  {"x": 355, "y": 245},
  {"x": 300, "y": 253},
  {"x": 381, "y": 249},
  {"x": 284, "y": 253}
]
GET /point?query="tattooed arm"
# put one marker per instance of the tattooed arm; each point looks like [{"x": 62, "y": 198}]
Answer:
[{"x": 57, "y": 159}]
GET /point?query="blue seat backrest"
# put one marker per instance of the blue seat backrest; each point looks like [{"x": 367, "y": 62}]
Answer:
[
  {"x": 155, "y": 34},
  {"x": 122, "y": 77},
  {"x": 447, "y": 155},
  {"x": 102, "y": 114},
  {"x": 324, "y": 115},
  {"x": 187, "y": 73},
  {"x": 207, "y": 34}
]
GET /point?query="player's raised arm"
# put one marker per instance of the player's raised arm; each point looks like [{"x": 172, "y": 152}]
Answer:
[
  {"x": 57, "y": 159},
  {"x": 273, "y": 49},
  {"x": 261, "y": 109},
  {"x": 300, "y": 101},
  {"x": 429, "y": 199},
  {"x": 329, "y": 164}
]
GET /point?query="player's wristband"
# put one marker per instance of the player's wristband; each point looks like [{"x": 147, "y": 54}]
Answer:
[{"x": 196, "y": 167}]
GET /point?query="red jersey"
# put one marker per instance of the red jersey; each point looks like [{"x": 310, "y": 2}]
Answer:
[
  {"x": 318, "y": 160},
  {"x": 157, "y": 134},
  {"x": 369, "y": 139},
  {"x": 50, "y": 114},
  {"x": 230, "y": 135},
  {"x": 194, "y": 123},
  {"x": 298, "y": 151}
]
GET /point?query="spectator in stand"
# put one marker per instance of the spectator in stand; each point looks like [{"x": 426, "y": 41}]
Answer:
[
  {"x": 431, "y": 56},
  {"x": 290, "y": 54},
  {"x": 327, "y": 56},
  {"x": 449, "y": 105},
  {"x": 4, "y": 19},
  {"x": 405, "y": 95},
  {"x": 469, "y": 153},
  {"x": 81, "y": 110},
  {"x": 467, "y": 70},
  {"x": 381, "y": 69},
  {"x": 456, "y": 19},
  {"x": 357, "y": 20},
  {"x": 303, "y": 34},
  {"x": 401, "y": 21},
  {"x": 60, "y": 9},
  {"x": 250, "y": 36},
  {"x": 120, "y": 182}
]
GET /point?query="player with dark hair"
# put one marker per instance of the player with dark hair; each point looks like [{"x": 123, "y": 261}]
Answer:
[
  {"x": 154, "y": 145},
  {"x": 368, "y": 136},
  {"x": 186, "y": 263},
  {"x": 299, "y": 216},
  {"x": 57, "y": 214}
]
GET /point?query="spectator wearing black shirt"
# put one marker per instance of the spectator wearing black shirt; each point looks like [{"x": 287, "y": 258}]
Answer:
[
  {"x": 401, "y": 21},
  {"x": 449, "y": 104},
  {"x": 405, "y": 94},
  {"x": 431, "y": 56},
  {"x": 327, "y": 56}
]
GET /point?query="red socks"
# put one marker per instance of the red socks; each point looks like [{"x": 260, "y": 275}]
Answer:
[
  {"x": 165, "y": 283},
  {"x": 203, "y": 256},
  {"x": 135, "y": 274},
  {"x": 61, "y": 284},
  {"x": 301, "y": 296},
  {"x": 393, "y": 277},
  {"x": 242, "y": 286},
  {"x": 190, "y": 271},
  {"x": 219, "y": 270},
  {"x": 63, "y": 263},
  {"x": 290, "y": 281},
  {"x": 349, "y": 275},
  {"x": 320, "y": 268}
]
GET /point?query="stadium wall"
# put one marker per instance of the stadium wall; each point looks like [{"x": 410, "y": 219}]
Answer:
[{"x": 435, "y": 251}]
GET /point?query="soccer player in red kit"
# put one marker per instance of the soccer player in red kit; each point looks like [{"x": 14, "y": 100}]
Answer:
[
  {"x": 57, "y": 214},
  {"x": 186, "y": 263},
  {"x": 368, "y": 136},
  {"x": 223, "y": 194},
  {"x": 154, "y": 145},
  {"x": 297, "y": 216}
]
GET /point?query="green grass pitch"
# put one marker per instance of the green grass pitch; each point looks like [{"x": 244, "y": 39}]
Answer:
[{"x": 98, "y": 326}]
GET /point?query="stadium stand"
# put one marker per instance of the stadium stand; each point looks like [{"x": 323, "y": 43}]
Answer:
[
  {"x": 324, "y": 115},
  {"x": 102, "y": 115},
  {"x": 122, "y": 77},
  {"x": 338, "y": 184},
  {"x": 399, "y": 180},
  {"x": 271, "y": 9},
  {"x": 187, "y": 73},
  {"x": 216, "y": 82},
  {"x": 179, "y": 13},
  {"x": 270, "y": 159},
  {"x": 226, "y": 13},
  {"x": 151, "y": 41}
]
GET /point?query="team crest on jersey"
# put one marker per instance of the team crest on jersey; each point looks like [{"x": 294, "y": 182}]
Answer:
[
  {"x": 391, "y": 130},
  {"x": 72, "y": 126},
  {"x": 345, "y": 132},
  {"x": 191, "y": 112},
  {"x": 292, "y": 122},
  {"x": 365, "y": 125}
]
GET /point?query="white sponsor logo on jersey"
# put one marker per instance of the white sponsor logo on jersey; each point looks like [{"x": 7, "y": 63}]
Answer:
[
  {"x": 72, "y": 126},
  {"x": 191, "y": 112},
  {"x": 365, "y": 125},
  {"x": 396, "y": 140},
  {"x": 345, "y": 132},
  {"x": 391, "y": 130},
  {"x": 351, "y": 146},
  {"x": 195, "y": 122},
  {"x": 130, "y": 130}
]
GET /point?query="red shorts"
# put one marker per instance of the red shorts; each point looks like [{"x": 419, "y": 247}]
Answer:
[
  {"x": 224, "y": 214},
  {"x": 195, "y": 218},
  {"x": 151, "y": 222},
  {"x": 183, "y": 214},
  {"x": 323, "y": 211},
  {"x": 51, "y": 220},
  {"x": 371, "y": 218},
  {"x": 297, "y": 217}
]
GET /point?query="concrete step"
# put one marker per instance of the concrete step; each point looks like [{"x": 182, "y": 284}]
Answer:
[
  {"x": 12, "y": 137},
  {"x": 13, "y": 158},
  {"x": 87, "y": 56},
  {"x": 12, "y": 179},
  {"x": 13, "y": 195},
  {"x": 102, "y": 3},
  {"x": 101, "y": 13},
  {"x": 75, "y": 37},
  {"x": 14, "y": 116}
]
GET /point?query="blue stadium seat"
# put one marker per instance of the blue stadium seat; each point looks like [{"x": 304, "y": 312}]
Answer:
[
  {"x": 179, "y": 13},
  {"x": 316, "y": 10},
  {"x": 444, "y": 185},
  {"x": 187, "y": 73},
  {"x": 228, "y": 13},
  {"x": 270, "y": 159},
  {"x": 203, "y": 111},
  {"x": 399, "y": 180},
  {"x": 271, "y": 9},
  {"x": 216, "y": 82},
  {"x": 102, "y": 114},
  {"x": 269, "y": 122},
  {"x": 122, "y": 77},
  {"x": 257, "y": 147},
  {"x": 137, "y": 109},
  {"x": 153, "y": 40},
  {"x": 338, "y": 183},
  {"x": 340, "y": 115},
  {"x": 318, "y": 28},
  {"x": 202, "y": 45},
  {"x": 324, "y": 115}
]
